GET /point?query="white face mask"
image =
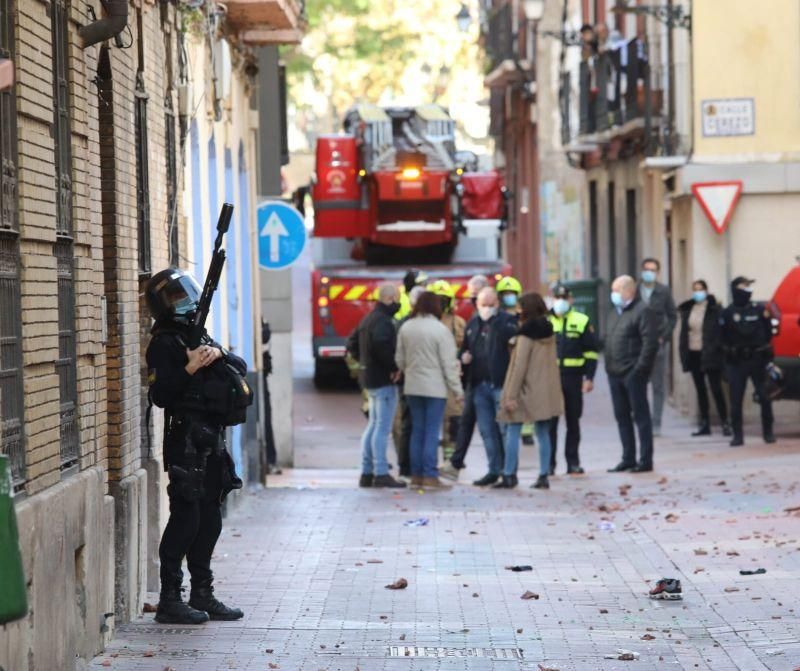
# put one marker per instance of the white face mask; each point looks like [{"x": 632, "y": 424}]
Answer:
[
  {"x": 561, "y": 306},
  {"x": 486, "y": 312}
]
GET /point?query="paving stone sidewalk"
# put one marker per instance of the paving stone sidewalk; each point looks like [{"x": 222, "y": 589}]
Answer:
[{"x": 308, "y": 560}]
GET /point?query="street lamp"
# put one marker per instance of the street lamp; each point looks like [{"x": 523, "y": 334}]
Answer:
[
  {"x": 533, "y": 9},
  {"x": 670, "y": 15},
  {"x": 463, "y": 18}
]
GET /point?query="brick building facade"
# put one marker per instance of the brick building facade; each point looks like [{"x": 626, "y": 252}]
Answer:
[{"x": 96, "y": 196}]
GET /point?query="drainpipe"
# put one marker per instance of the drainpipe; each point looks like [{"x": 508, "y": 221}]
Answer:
[{"x": 98, "y": 31}]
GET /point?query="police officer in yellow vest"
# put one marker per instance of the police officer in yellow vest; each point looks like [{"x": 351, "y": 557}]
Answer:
[
  {"x": 413, "y": 278},
  {"x": 577, "y": 359}
]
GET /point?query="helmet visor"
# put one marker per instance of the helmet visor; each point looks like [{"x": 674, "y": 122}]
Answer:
[{"x": 178, "y": 296}]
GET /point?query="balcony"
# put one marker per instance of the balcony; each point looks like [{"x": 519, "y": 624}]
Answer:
[
  {"x": 615, "y": 98},
  {"x": 500, "y": 43},
  {"x": 263, "y": 22}
]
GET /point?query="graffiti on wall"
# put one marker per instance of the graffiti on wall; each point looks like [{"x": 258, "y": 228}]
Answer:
[{"x": 562, "y": 233}]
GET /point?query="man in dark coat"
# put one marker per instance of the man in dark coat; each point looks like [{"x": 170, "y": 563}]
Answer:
[
  {"x": 658, "y": 298},
  {"x": 630, "y": 350}
]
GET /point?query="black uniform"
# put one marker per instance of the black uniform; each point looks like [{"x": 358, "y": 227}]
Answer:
[
  {"x": 577, "y": 361},
  {"x": 746, "y": 332},
  {"x": 193, "y": 438}
]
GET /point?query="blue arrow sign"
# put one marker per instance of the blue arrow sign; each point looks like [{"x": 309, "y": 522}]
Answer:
[{"x": 281, "y": 235}]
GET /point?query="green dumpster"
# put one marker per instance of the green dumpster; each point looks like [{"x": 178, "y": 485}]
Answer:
[
  {"x": 584, "y": 293},
  {"x": 13, "y": 598}
]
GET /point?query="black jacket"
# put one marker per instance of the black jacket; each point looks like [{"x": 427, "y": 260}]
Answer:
[
  {"x": 711, "y": 357},
  {"x": 746, "y": 333},
  {"x": 504, "y": 327},
  {"x": 476, "y": 342},
  {"x": 373, "y": 344},
  {"x": 536, "y": 329},
  {"x": 662, "y": 304},
  {"x": 631, "y": 340}
]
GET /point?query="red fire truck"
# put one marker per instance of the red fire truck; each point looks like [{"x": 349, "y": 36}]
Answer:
[{"x": 389, "y": 194}]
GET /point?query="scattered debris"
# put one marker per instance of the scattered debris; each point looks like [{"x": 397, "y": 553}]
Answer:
[
  {"x": 731, "y": 589},
  {"x": 757, "y": 571},
  {"x": 400, "y": 583},
  {"x": 421, "y": 522},
  {"x": 149, "y": 608},
  {"x": 269, "y": 651},
  {"x": 700, "y": 551},
  {"x": 648, "y": 637},
  {"x": 792, "y": 509},
  {"x": 530, "y": 595},
  {"x": 605, "y": 525},
  {"x": 671, "y": 517},
  {"x": 402, "y": 637},
  {"x": 547, "y": 668},
  {"x": 517, "y": 569},
  {"x": 604, "y": 611},
  {"x": 624, "y": 655},
  {"x": 374, "y": 561}
]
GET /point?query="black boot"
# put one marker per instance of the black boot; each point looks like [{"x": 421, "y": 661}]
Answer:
[
  {"x": 737, "y": 441},
  {"x": 172, "y": 610},
  {"x": 703, "y": 430},
  {"x": 506, "y": 482},
  {"x": 202, "y": 598},
  {"x": 769, "y": 436},
  {"x": 541, "y": 483}
]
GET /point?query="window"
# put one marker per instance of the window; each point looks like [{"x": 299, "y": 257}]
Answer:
[
  {"x": 172, "y": 181},
  {"x": 630, "y": 217},
  {"x": 63, "y": 249},
  {"x": 612, "y": 232},
  {"x": 594, "y": 243},
  {"x": 142, "y": 175}
]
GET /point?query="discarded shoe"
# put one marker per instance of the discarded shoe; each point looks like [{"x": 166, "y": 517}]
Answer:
[{"x": 668, "y": 589}]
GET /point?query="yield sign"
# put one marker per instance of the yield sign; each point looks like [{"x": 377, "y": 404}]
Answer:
[{"x": 718, "y": 200}]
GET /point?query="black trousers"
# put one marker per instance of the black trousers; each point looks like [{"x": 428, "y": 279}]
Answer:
[
  {"x": 714, "y": 381},
  {"x": 466, "y": 429},
  {"x": 629, "y": 398},
  {"x": 192, "y": 531},
  {"x": 572, "y": 389},
  {"x": 404, "y": 438},
  {"x": 738, "y": 373},
  {"x": 269, "y": 436}
]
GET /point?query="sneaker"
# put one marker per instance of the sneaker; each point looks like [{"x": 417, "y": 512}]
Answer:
[
  {"x": 541, "y": 483},
  {"x": 486, "y": 480},
  {"x": 449, "y": 471},
  {"x": 434, "y": 483},
  {"x": 416, "y": 481},
  {"x": 668, "y": 589},
  {"x": 365, "y": 480},
  {"x": 575, "y": 470},
  {"x": 388, "y": 481}
]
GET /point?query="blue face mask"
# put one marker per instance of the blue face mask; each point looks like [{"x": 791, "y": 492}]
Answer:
[
  {"x": 699, "y": 296},
  {"x": 648, "y": 276},
  {"x": 616, "y": 299},
  {"x": 509, "y": 300}
]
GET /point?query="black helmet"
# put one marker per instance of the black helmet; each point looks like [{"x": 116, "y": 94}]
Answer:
[{"x": 173, "y": 294}]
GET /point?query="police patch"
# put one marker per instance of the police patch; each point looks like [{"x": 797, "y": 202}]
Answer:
[{"x": 737, "y": 317}]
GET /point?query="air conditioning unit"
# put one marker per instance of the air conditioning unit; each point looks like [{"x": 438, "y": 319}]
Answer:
[
  {"x": 222, "y": 69},
  {"x": 185, "y": 102}
]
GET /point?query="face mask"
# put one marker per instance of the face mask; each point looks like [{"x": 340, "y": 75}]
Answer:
[
  {"x": 741, "y": 297},
  {"x": 648, "y": 276},
  {"x": 616, "y": 299},
  {"x": 509, "y": 300},
  {"x": 184, "y": 309},
  {"x": 699, "y": 296},
  {"x": 561, "y": 306},
  {"x": 486, "y": 312}
]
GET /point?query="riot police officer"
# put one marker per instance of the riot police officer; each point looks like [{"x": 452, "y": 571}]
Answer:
[
  {"x": 746, "y": 334},
  {"x": 577, "y": 361},
  {"x": 193, "y": 387}
]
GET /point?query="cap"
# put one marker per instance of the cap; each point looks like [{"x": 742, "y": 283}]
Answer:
[
  {"x": 561, "y": 291},
  {"x": 741, "y": 279}
]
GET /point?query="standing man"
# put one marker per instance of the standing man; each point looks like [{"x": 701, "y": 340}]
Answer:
[
  {"x": 373, "y": 345},
  {"x": 466, "y": 425},
  {"x": 658, "y": 298},
  {"x": 475, "y": 357},
  {"x": 193, "y": 387},
  {"x": 631, "y": 347},
  {"x": 577, "y": 360},
  {"x": 746, "y": 335}
]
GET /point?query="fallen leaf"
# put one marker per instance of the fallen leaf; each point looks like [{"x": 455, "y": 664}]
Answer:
[
  {"x": 530, "y": 595},
  {"x": 269, "y": 651},
  {"x": 547, "y": 668},
  {"x": 149, "y": 653},
  {"x": 475, "y": 594},
  {"x": 700, "y": 551},
  {"x": 671, "y": 517},
  {"x": 272, "y": 665},
  {"x": 604, "y": 611},
  {"x": 648, "y": 637},
  {"x": 374, "y": 561},
  {"x": 731, "y": 589},
  {"x": 400, "y": 583},
  {"x": 106, "y": 662},
  {"x": 149, "y": 608}
]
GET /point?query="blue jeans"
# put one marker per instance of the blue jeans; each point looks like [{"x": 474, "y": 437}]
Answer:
[
  {"x": 382, "y": 406},
  {"x": 486, "y": 412},
  {"x": 511, "y": 438},
  {"x": 427, "y": 413}
]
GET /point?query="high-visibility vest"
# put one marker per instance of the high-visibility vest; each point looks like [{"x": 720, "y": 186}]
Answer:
[{"x": 575, "y": 339}]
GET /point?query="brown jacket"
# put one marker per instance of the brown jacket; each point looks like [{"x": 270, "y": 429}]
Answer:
[
  {"x": 456, "y": 325},
  {"x": 533, "y": 379}
]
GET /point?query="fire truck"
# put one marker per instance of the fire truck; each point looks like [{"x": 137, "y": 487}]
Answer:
[{"x": 392, "y": 193}]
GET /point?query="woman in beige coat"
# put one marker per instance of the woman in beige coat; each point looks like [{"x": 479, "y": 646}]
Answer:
[{"x": 532, "y": 389}]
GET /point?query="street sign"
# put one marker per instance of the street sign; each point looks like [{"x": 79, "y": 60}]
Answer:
[
  {"x": 281, "y": 235},
  {"x": 728, "y": 117},
  {"x": 718, "y": 200}
]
